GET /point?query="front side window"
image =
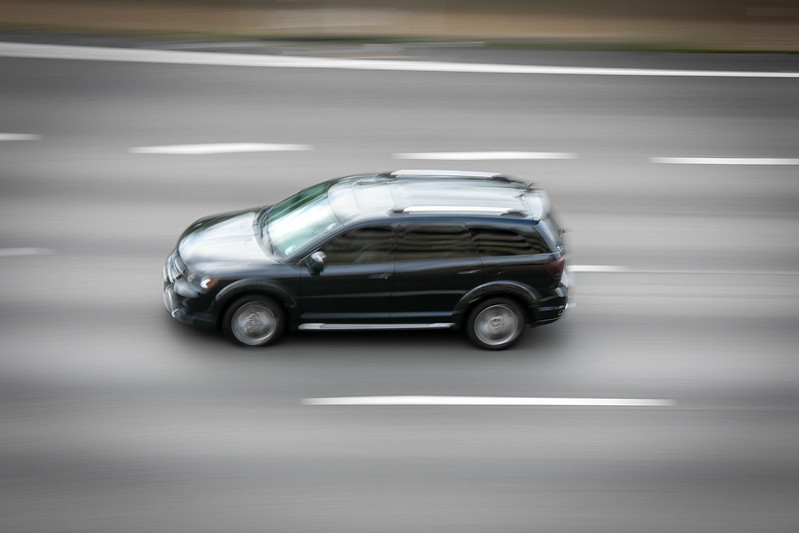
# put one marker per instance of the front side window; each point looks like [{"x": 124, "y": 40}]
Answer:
[
  {"x": 422, "y": 243},
  {"x": 361, "y": 246},
  {"x": 296, "y": 221}
]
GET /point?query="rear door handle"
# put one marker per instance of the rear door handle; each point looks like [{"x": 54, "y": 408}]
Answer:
[
  {"x": 385, "y": 275},
  {"x": 467, "y": 272}
]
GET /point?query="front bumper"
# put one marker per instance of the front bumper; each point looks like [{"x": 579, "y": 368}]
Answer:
[{"x": 179, "y": 306}]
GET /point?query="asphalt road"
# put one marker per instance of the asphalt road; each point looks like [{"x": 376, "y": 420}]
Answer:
[{"x": 113, "y": 418}]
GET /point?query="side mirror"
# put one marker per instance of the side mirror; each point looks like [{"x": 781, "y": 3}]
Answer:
[{"x": 316, "y": 262}]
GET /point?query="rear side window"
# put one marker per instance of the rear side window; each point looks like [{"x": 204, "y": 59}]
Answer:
[
  {"x": 550, "y": 229},
  {"x": 493, "y": 242},
  {"x": 432, "y": 242}
]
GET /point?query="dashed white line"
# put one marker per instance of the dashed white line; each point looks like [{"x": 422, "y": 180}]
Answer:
[
  {"x": 484, "y": 156},
  {"x": 490, "y": 401},
  {"x": 219, "y": 148},
  {"x": 769, "y": 161},
  {"x": 597, "y": 268},
  {"x": 46, "y": 51},
  {"x": 19, "y": 137},
  {"x": 628, "y": 270},
  {"x": 15, "y": 252}
]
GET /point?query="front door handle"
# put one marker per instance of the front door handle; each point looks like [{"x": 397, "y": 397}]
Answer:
[{"x": 384, "y": 275}]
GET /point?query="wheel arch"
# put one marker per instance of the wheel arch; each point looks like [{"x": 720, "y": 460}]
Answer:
[
  {"x": 522, "y": 294},
  {"x": 257, "y": 287}
]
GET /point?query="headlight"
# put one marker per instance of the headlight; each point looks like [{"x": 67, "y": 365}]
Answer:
[{"x": 205, "y": 282}]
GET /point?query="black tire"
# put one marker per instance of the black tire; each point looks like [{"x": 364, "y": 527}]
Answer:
[
  {"x": 496, "y": 324},
  {"x": 254, "y": 321}
]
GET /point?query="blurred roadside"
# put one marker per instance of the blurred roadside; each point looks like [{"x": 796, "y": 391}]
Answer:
[{"x": 728, "y": 25}]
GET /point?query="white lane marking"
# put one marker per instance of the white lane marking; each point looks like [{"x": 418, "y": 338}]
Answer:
[
  {"x": 219, "y": 148},
  {"x": 724, "y": 160},
  {"x": 87, "y": 53},
  {"x": 597, "y": 268},
  {"x": 14, "y": 252},
  {"x": 490, "y": 400},
  {"x": 628, "y": 270},
  {"x": 484, "y": 156},
  {"x": 19, "y": 137}
]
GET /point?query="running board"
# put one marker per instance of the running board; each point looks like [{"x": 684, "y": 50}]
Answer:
[{"x": 348, "y": 327}]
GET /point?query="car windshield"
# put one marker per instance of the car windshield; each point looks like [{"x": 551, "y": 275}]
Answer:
[{"x": 298, "y": 220}]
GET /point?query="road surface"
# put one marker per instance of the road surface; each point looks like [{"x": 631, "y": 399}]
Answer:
[{"x": 680, "y": 196}]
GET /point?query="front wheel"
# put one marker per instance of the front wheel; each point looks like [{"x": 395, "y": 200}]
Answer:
[
  {"x": 253, "y": 321},
  {"x": 495, "y": 324}
]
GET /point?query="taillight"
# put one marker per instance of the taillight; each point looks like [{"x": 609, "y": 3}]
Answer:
[{"x": 555, "y": 268}]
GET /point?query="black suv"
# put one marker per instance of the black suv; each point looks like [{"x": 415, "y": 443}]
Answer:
[{"x": 400, "y": 250}]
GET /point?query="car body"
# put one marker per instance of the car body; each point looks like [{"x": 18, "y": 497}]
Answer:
[{"x": 398, "y": 250}]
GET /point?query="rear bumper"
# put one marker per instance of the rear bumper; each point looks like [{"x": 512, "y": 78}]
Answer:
[{"x": 553, "y": 307}]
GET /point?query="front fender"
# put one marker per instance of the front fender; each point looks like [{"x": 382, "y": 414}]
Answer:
[{"x": 266, "y": 286}]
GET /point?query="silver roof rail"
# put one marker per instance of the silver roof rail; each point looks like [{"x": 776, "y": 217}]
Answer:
[
  {"x": 475, "y": 209},
  {"x": 444, "y": 173}
]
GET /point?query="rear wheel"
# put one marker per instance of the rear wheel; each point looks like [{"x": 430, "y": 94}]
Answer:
[
  {"x": 254, "y": 321},
  {"x": 496, "y": 324}
]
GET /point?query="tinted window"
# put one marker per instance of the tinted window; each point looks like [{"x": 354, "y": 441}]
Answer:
[
  {"x": 549, "y": 228},
  {"x": 421, "y": 243},
  {"x": 507, "y": 242},
  {"x": 360, "y": 245}
]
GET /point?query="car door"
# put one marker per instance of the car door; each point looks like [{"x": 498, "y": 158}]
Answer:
[
  {"x": 355, "y": 282},
  {"x": 436, "y": 265}
]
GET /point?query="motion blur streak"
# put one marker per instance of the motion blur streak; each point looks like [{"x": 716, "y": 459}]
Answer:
[
  {"x": 220, "y": 148},
  {"x": 472, "y": 400},
  {"x": 19, "y": 137},
  {"x": 10, "y": 252},
  {"x": 726, "y": 160},
  {"x": 43, "y": 51},
  {"x": 487, "y": 156}
]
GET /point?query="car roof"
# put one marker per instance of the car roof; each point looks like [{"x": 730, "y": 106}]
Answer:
[{"x": 435, "y": 192}]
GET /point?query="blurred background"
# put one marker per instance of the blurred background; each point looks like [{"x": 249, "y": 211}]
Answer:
[
  {"x": 717, "y": 24},
  {"x": 666, "y": 134}
]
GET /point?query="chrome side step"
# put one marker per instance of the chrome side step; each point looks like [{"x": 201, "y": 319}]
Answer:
[{"x": 348, "y": 327}]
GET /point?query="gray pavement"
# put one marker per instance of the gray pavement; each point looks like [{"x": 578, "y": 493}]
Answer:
[{"x": 114, "y": 418}]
